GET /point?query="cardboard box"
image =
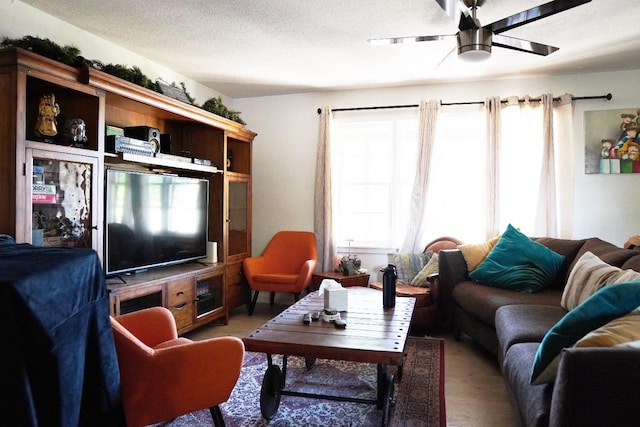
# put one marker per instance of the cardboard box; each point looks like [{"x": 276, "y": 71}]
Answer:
[{"x": 336, "y": 298}]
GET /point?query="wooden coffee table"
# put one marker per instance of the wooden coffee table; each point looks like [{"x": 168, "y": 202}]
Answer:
[{"x": 372, "y": 335}]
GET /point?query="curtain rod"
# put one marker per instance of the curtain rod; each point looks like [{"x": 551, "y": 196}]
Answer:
[{"x": 387, "y": 107}]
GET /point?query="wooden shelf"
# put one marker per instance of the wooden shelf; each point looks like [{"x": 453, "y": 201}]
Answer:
[
  {"x": 101, "y": 99},
  {"x": 163, "y": 162}
]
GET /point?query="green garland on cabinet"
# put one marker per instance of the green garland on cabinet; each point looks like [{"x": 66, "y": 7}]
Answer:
[{"x": 70, "y": 55}]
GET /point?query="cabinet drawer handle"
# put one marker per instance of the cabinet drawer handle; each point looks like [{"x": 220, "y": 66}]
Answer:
[
  {"x": 180, "y": 293},
  {"x": 181, "y": 306}
]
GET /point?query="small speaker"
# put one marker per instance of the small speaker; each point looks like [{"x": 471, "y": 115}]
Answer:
[
  {"x": 165, "y": 143},
  {"x": 145, "y": 133}
]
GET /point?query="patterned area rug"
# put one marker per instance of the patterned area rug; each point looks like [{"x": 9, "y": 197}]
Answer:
[{"x": 419, "y": 394}]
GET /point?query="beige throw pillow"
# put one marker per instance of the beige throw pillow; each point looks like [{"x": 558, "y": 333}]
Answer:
[
  {"x": 588, "y": 276},
  {"x": 622, "y": 330}
]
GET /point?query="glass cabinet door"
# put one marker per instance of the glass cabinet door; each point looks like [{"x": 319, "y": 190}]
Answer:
[
  {"x": 62, "y": 199},
  {"x": 239, "y": 217}
]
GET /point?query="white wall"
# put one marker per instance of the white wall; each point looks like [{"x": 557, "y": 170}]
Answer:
[{"x": 605, "y": 206}]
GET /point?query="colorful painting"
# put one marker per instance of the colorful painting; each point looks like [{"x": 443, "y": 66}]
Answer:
[{"x": 612, "y": 143}]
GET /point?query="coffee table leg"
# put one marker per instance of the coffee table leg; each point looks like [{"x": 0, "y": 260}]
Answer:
[
  {"x": 381, "y": 381},
  {"x": 386, "y": 384},
  {"x": 309, "y": 362},
  {"x": 271, "y": 390},
  {"x": 387, "y": 405}
]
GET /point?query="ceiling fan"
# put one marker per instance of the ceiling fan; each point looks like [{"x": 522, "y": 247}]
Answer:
[{"x": 474, "y": 41}]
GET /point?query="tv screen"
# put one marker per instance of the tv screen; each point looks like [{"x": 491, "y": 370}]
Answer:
[{"x": 153, "y": 220}]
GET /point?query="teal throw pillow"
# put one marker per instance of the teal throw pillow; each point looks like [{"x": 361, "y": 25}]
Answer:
[
  {"x": 518, "y": 263},
  {"x": 607, "y": 304}
]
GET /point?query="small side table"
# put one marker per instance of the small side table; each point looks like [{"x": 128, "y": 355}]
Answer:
[{"x": 346, "y": 281}]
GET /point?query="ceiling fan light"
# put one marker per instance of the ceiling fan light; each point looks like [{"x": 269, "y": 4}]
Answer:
[{"x": 474, "y": 44}]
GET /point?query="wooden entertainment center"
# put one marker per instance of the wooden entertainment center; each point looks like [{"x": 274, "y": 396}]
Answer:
[{"x": 53, "y": 187}]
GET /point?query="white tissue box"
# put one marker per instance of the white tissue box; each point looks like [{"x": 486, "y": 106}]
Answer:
[{"x": 337, "y": 299}]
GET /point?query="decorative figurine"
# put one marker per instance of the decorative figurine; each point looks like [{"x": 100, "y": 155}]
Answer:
[
  {"x": 48, "y": 110},
  {"x": 76, "y": 131}
]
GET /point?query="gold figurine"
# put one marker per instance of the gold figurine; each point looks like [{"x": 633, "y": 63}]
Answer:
[{"x": 47, "y": 112}]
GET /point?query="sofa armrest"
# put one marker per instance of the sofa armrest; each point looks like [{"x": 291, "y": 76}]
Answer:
[
  {"x": 452, "y": 269},
  {"x": 594, "y": 387}
]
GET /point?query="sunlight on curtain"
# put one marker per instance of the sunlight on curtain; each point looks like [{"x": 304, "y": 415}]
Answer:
[
  {"x": 428, "y": 118},
  {"x": 520, "y": 161},
  {"x": 563, "y": 137},
  {"x": 456, "y": 201}
]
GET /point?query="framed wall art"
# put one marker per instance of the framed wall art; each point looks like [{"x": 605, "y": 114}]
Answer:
[{"x": 612, "y": 143}]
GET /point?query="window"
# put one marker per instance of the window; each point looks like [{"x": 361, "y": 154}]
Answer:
[
  {"x": 374, "y": 156},
  {"x": 456, "y": 194},
  {"x": 374, "y": 167}
]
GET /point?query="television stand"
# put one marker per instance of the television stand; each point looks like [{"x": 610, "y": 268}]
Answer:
[
  {"x": 193, "y": 292},
  {"x": 115, "y": 276}
]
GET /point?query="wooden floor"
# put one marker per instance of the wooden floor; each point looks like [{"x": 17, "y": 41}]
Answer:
[{"x": 474, "y": 390}]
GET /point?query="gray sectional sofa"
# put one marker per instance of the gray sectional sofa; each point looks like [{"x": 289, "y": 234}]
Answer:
[{"x": 593, "y": 386}]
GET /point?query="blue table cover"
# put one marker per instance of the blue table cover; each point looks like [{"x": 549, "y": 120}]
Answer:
[{"x": 58, "y": 365}]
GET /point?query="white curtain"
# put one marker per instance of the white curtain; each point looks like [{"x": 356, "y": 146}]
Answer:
[
  {"x": 323, "y": 201},
  {"x": 493, "y": 106},
  {"x": 547, "y": 216},
  {"x": 427, "y": 121},
  {"x": 563, "y": 135},
  {"x": 523, "y": 187}
]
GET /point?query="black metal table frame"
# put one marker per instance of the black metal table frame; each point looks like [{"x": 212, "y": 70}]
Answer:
[{"x": 274, "y": 381}]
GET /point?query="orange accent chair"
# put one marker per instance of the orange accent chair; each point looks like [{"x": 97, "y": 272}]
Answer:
[
  {"x": 286, "y": 265},
  {"x": 163, "y": 376}
]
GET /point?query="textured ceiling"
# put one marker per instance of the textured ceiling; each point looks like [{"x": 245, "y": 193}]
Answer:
[{"x": 247, "y": 48}]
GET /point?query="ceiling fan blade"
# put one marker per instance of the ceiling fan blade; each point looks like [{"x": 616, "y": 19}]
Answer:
[
  {"x": 412, "y": 39},
  {"x": 534, "y": 14},
  {"x": 522, "y": 45},
  {"x": 455, "y": 9}
]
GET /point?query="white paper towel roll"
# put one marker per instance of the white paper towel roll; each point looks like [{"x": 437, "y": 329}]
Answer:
[{"x": 212, "y": 252}]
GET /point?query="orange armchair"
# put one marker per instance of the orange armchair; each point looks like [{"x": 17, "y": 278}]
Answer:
[
  {"x": 286, "y": 265},
  {"x": 163, "y": 376}
]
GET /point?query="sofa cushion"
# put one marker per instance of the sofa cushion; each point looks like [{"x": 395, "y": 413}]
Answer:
[
  {"x": 565, "y": 247},
  {"x": 475, "y": 253},
  {"x": 518, "y": 263},
  {"x": 533, "y": 401},
  {"x": 607, "y": 252},
  {"x": 622, "y": 330},
  {"x": 520, "y": 323},
  {"x": 608, "y": 303},
  {"x": 633, "y": 262},
  {"x": 482, "y": 301},
  {"x": 590, "y": 274}
]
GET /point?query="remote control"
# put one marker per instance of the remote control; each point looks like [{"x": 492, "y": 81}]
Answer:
[
  {"x": 306, "y": 319},
  {"x": 340, "y": 324}
]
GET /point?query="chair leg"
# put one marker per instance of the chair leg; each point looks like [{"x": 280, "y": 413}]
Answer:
[
  {"x": 273, "y": 298},
  {"x": 216, "y": 414},
  {"x": 252, "y": 304}
]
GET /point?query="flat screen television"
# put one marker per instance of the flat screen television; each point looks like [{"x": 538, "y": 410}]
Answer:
[{"x": 153, "y": 220}]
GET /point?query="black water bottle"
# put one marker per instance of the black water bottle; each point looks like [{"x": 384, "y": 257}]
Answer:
[{"x": 389, "y": 277}]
